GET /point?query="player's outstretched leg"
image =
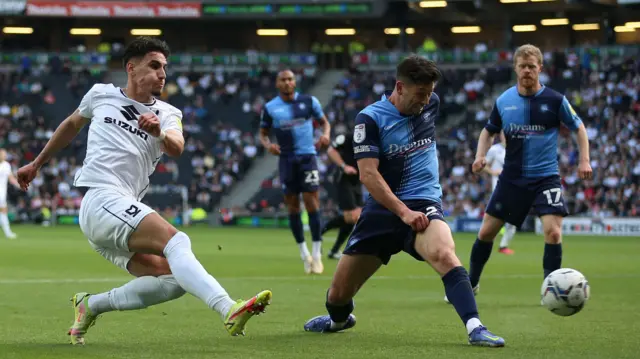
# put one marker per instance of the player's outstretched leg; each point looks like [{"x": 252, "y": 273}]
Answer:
[
  {"x": 352, "y": 272},
  {"x": 312, "y": 204},
  {"x": 552, "y": 259},
  {"x": 436, "y": 246},
  {"x": 507, "y": 236},
  {"x": 139, "y": 293},
  {"x": 157, "y": 236}
]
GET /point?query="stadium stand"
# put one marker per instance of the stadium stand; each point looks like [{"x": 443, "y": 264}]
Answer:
[
  {"x": 221, "y": 113},
  {"x": 603, "y": 88}
]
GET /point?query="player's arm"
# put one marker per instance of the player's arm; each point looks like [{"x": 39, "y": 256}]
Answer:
[
  {"x": 266, "y": 122},
  {"x": 335, "y": 157},
  {"x": 173, "y": 143},
  {"x": 570, "y": 118},
  {"x": 62, "y": 137},
  {"x": 320, "y": 117}
]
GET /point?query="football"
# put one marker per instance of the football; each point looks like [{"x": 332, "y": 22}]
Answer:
[{"x": 565, "y": 292}]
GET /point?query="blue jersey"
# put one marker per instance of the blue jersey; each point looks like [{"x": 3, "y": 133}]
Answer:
[
  {"x": 530, "y": 125},
  {"x": 293, "y": 123},
  {"x": 405, "y": 146}
]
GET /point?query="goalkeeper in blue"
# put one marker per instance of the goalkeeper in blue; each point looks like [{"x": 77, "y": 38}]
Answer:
[
  {"x": 530, "y": 115},
  {"x": 394, "y": 144}
]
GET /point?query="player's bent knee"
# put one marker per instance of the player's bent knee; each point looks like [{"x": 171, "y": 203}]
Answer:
[
  {"x": 311, "y": 201},
  {"x": 152, "y": 235},
  {"x": 553, "y": 235},
  {"x": 443, "y": 258},
  {"x": 489, "y": 229},
  {"x": 142, "y": 264}
]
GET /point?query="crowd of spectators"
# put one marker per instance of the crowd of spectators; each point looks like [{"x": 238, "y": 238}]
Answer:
[
  {"x": 604, "y": 90},
  {"x": 221, "y": 115},
  {"x": 220, "y": 119}
]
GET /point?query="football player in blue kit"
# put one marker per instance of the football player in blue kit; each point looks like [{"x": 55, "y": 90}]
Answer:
[
  {"x": 530, "y": 115},
  {"x": 291, "y": 116},
  {"x": 394, "y": 144}
]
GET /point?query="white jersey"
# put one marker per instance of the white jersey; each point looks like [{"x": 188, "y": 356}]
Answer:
[
  {"x": 5, "y": 172},
  {"x": 495, "y": 157},
  {"x": 120, "y": 155}
]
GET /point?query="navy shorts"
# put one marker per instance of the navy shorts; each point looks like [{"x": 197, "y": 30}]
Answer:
[
  {"x": 381, "y": 233},
  {"x": 511, "y": 201},
  {"x": 299, "y": 173}
]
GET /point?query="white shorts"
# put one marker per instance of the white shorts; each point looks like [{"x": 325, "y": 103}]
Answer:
[{"x": 107, "y": 219}]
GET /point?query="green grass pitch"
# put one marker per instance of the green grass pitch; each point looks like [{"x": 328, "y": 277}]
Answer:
[{"x": 401, "y": 313}]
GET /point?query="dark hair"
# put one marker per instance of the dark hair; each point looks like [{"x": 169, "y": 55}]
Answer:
[
  {"x": 143, "y": 45},
  {"x": 418, "y": 70}
]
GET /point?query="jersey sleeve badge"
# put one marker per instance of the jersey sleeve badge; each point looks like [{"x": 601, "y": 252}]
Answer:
[{"x": 359, "y": 134}]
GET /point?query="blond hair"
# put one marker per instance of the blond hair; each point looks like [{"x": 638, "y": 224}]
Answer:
[{"x": 526, "y": 51}]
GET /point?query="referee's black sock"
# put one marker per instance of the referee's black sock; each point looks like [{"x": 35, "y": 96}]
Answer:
[
  {"x": 334, "y": 222},
  {"x": 344, "y": 233}
]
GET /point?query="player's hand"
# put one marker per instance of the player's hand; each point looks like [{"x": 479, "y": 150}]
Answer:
[
  {"x": 323, "y": 142},
  {"x": 350, "y": 170},
  {"x": 584, "y": 170},
  {"x": 26, "y": 174},
  {"x": 274, "y": 149},
  {"x": 417, "y": 220},
  {"x": 479, "y": 164},
  {"x": 150, "y": 123}
]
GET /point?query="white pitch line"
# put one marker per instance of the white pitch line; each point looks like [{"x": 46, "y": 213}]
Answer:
[{"x": 7, "y": 281}]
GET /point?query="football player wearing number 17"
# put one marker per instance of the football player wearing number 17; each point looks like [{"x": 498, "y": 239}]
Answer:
[{"x": 530, "y": 115}]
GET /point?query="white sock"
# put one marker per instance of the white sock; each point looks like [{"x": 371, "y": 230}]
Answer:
[
  {"x": 316, "y": 248},
  {"x": 472, "y": 324},
  {"x": 192, "y": 276},
  {"x": 509, "y": 232},
  {"x": 335, "y": 325},
  {"x": 4, "y": 222},
  {"x": 139, "y": 293},
  {"x": 304, "y": 251}
]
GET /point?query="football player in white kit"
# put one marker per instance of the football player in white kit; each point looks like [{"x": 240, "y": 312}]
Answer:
[
  {"x": 495, "y": 164},
  {"x": 130, "y": 130},
  {"x": 6, "y": 177}
]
